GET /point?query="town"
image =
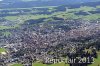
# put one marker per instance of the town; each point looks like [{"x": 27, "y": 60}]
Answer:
[{"x": 60, "y": 35}]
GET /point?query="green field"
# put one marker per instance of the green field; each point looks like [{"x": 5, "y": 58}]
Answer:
[
  {"x": 2, "y": 50},
  {"x": 58, "y": 64},
  {"x": 27, "y": 17},
  {"x": 63, "y": 14},
  {"x": 17, "y": 64}
]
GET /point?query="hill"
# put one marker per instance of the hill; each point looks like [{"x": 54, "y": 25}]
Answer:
[{"x": 37, "y": 3}]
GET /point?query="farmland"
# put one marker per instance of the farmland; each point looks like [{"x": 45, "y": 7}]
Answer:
[{"x": 84, "y": 12}]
